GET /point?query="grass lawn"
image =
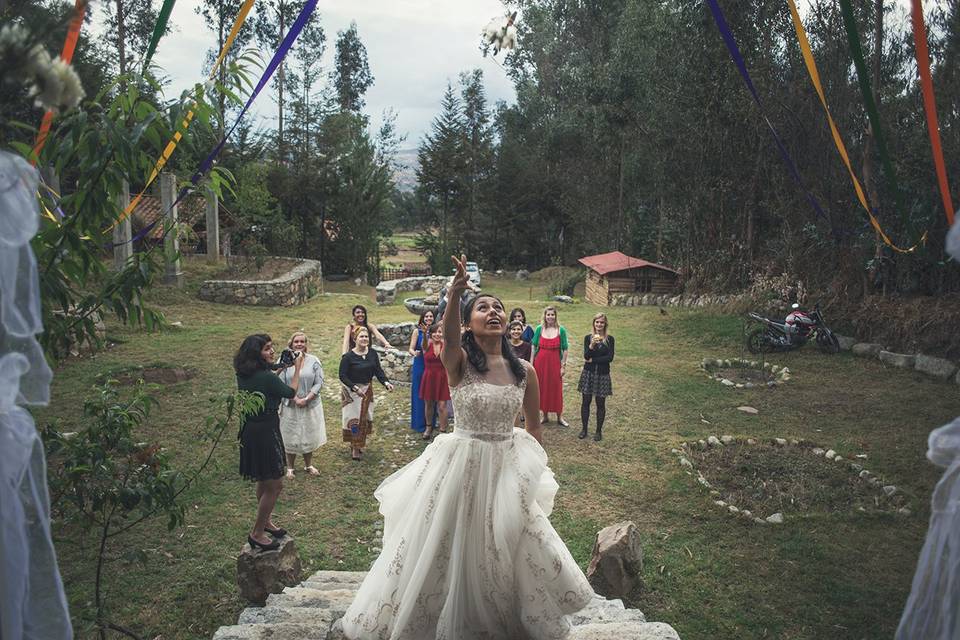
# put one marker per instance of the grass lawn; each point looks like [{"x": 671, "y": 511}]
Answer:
[{"x": 821, "y": 575}]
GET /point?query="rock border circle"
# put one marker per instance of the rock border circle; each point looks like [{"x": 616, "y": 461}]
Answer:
[
  {"x": 714, "y": 442},
  {"x": 711, "y": 367}
]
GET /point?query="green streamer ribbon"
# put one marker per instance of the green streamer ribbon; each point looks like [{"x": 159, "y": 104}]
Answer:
[
  {"x": 158, "y": 30},
  {"x": 873, "y": 114}
]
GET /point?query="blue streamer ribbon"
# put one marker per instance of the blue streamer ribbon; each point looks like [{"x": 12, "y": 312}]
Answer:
[
  {"x": 278, "y": 57},
  {"x": 742, "y": 67}
]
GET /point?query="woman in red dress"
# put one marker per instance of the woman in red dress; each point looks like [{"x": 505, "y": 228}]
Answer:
[
  {"x": 434, "y": 388},
  {"x": 550, "y": 360}
]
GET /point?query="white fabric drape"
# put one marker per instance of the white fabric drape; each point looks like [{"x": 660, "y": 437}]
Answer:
[
  {"x": 933, "y": 608},
  {"x": 32, "y": 602}
]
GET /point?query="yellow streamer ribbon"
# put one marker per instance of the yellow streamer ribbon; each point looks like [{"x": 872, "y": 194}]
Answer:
[
  {"x": 837, "y": 140},
  {"x": 172, "y": 144}
]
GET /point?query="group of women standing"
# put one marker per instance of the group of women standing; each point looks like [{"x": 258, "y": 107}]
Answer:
[
  {"x": 291, "y": 422},
  {"x": 546, "y": 347}
]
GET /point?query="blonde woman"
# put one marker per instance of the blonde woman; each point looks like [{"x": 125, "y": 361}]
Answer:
[
  {"x": 550, "y": 361},
  {"x": 598, "y": 349},
  {"x": 301, "y": 417},
  {"x": 358, "y": 366}
]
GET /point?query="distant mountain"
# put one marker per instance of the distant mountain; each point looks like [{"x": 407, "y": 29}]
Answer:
[{"x": 406, "y": 175}]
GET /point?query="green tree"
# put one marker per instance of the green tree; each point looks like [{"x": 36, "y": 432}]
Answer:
[
  {"x": 219, "y": 16},
  {"x": 351, "y": 74},
  {"x": 440, "y": 169}
]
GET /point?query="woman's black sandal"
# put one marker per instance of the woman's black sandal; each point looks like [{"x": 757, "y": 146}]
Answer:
[{"x": 255, "y": 544}]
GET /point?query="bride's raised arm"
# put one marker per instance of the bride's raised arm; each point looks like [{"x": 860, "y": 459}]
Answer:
[{"x": 453, "y": 355}]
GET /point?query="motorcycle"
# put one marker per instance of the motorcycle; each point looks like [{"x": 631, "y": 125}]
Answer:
[{"x": 792, "y": 333}]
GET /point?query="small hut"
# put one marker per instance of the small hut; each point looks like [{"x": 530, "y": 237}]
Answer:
[{"x": 614, "y": 273}]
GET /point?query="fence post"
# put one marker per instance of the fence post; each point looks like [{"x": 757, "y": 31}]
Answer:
[
  {"x": 213, "y": 226},
  {"x": 122, "y": 232},
  {"x": 171, "y": 242}
]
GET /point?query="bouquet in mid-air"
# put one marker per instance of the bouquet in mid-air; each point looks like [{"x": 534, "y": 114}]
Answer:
[{"x": 500, "y": 34}]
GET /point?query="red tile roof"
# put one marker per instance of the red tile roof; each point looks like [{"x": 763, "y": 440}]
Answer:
[{"x": 615, "y": 261}]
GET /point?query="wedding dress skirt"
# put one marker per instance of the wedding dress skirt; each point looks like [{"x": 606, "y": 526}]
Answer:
[{"x": 468, "y": 551}]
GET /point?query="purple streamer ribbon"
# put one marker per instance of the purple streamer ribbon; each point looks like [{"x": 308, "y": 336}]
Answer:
[
  {"x": 742, "y": 67},
  {"x": 278, "y": 57}
]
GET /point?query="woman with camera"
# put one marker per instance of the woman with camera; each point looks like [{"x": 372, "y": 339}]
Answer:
[
  {"x": 598, "y": 348},
  {"x": 359, "y": 313},
  {"x": 358, "y": 366},
  {"x": 261, "y": 444},
  {"x": 301, "y": 417}
]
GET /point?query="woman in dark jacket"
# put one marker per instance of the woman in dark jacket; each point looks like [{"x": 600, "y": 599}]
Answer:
[
  {"x": 598, "y": 351},
  {"x": 358, "y": 366},
  {"x": 261, "y": 445}
]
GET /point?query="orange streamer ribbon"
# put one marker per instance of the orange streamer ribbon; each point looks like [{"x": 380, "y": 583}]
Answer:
[{"x": 69, "y": 45}]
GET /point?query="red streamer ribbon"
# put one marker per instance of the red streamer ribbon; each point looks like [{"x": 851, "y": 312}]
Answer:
[{"x": 930, "y": 104}]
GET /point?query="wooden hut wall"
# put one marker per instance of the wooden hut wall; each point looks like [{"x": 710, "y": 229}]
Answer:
[{"x": 596, "y": 289}]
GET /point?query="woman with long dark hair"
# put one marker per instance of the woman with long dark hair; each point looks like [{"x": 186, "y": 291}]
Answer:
[
  {"x": 598, "y": 351},
  {"x": 468, "y": 551},
  {"x": 261, "y": 444},
  {"x": 359, "y": 318},
  {"x": 418, "y": 343},
  {"x": 519, "y": 315}
]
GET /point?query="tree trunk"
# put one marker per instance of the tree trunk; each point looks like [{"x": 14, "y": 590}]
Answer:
[
  {"x": 875, "y": 271},
  {"x": 280, "y": 82},
  {"x": 222, "y": 71},
  {"x": 121, "y": 39},
  {"x": 619, "y": 228}
]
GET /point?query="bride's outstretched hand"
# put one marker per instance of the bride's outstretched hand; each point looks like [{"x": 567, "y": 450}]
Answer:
[{"x": 460, "y": 278}]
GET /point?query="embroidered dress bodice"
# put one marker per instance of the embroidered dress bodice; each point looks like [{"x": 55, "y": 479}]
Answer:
[{"x": 484, "y": 407}]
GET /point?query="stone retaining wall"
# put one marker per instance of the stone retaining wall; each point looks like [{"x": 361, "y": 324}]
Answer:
[
  {"x": 388, "y": 289},
  {"x": 398, "y": 334},
  {"x": 939, "y": 368},
  {"x": 669, "y": 300},
  {"x": 296, "y": 287}
]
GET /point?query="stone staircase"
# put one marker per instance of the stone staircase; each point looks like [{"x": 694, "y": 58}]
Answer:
[{"x": 312, "y": 611}]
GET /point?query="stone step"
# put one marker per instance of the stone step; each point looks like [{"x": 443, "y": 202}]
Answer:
[
  {"x": 624, "y": 631},
  {"x": 269, "y": 615},
  {"x": 330, "y": 586},
  {"x": 333, "y": 599},
  {"x": 602, "y": 611},
  {"x": 275, "y": 631},
  {"x": 352, "y": 577}
]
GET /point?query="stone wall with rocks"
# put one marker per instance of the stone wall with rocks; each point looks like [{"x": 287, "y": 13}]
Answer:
[
  {"x": 396, "y": 363},
  {"x": 669, "y": 300},
  {"x": 939, "y": 368},
  {"x": 296, "y": 287},
  {"x": 388, "y": 289},
  {"x": 398, "y": 334}
]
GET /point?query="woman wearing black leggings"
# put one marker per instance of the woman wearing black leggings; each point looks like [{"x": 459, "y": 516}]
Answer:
[{"x": 595, "y": 377}]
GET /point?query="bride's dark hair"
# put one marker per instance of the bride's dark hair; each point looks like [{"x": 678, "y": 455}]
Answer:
[{"x": 475, "y": 355}]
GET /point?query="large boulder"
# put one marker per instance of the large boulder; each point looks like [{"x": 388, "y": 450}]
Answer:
[
  {"x": 899, "y": 360},
  {"x": 866, "y": 349},
  {"x": 260, "y": 573},
  {"x": 617, "y": 560},
  {"x": 936, "y": 367},
  {"x": 846, "y": 342}
]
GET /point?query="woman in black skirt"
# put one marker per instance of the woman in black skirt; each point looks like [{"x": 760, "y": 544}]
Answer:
[
  {"x": 261, "y": 445},
  {"x": 595, "y": 378}
]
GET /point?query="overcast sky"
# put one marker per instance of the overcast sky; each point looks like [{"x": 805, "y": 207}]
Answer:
[{"x": 413, "y": 47}]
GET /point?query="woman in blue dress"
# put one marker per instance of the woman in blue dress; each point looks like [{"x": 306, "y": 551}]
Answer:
[
  {"x": 418, "y": 417},
  {"x": 519, "y": 315}
]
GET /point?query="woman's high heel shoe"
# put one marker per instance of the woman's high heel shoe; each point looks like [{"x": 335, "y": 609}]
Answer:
[{"x": 256, "y": 544}]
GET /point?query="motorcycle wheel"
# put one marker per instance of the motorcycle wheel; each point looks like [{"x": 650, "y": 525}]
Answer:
[
  {"x": 757, "y": 342},
  {"x": 828, "y": 342}
]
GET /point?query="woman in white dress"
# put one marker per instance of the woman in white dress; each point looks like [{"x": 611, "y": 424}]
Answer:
[
  {"x": 301, "y": 417},
  {"x": 468, "y": 551}
]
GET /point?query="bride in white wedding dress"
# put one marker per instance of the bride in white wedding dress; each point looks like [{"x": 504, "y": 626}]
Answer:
[{"x": 468, "y": 552}]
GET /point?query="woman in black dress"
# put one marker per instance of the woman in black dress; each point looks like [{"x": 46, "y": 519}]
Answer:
[
  {"x": 595, "y": 377},
  {"x": 261, "y": 445},
  {"x": 358, "y": 366}
]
